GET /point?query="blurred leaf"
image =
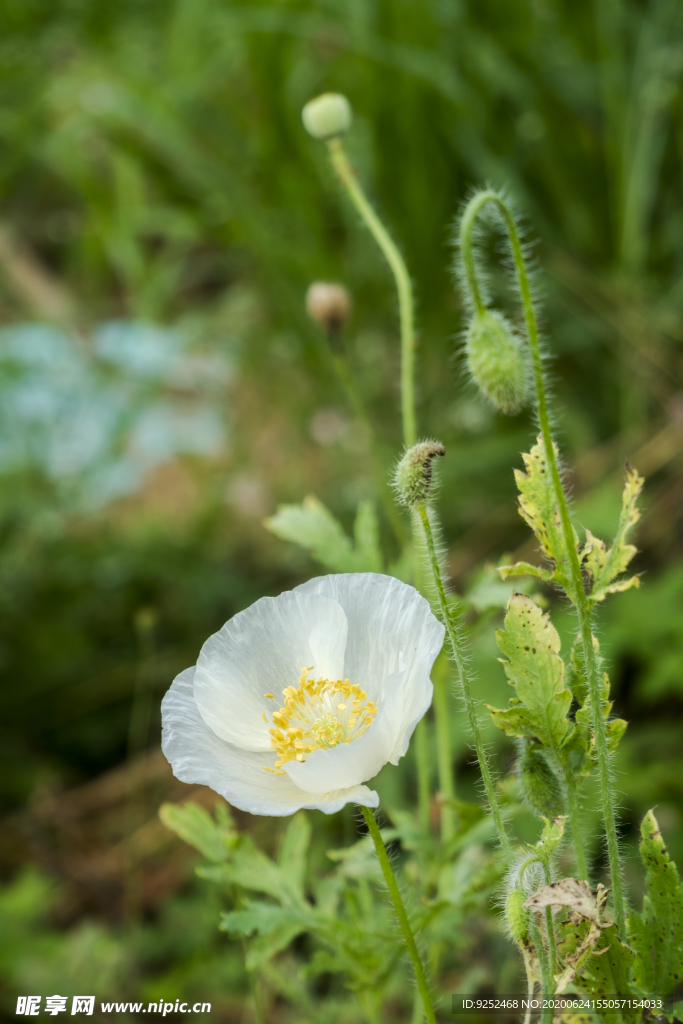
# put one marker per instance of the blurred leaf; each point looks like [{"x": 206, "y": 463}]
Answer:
[
  {"x": 312, "y": 526},
  {"x": 195, "y": 826}
]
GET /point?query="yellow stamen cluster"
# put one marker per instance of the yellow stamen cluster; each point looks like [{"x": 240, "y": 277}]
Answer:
[{"x": 318, "y": 713}]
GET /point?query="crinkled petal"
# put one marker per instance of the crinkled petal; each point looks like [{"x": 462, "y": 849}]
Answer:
[
  {"x": 391, "y": 628},
  {"x": 351, "y": 763},
  {"x": 197, "y": 755},
  {"x": 263, "y": 650}
]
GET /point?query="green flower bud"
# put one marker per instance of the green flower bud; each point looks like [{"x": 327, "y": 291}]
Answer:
[
  {"x": 327, "y": 116},
  {"x": 517, "y": 916},
  {"x": 540, "y": 783},
  {"x": 496, "y": 360},
  {"x": 413, "y": 479}
]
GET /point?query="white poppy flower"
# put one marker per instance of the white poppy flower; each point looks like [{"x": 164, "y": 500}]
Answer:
[{"x": 301, "y": 698}]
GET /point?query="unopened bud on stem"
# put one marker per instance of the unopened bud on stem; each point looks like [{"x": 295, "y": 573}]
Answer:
[
  {"x": 327, "y": 116},
  {"x": 517, "y": 916},
  {"x": 414, "y": 477},
  {"x": 540, "y": 783},
  {"x": 329, "y": 304},
  {"x": 496, "y": 360}
]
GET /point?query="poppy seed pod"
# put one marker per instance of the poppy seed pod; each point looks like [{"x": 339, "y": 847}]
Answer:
[
  {"x": 414, "y": 477},
  {"x": 496, "y": 360},
  {"x": 329, "y": 304},
  {"x": 517, "y": 916},
  {"x": 327, "y": 116},
  {"x": 540, "y": 784}
]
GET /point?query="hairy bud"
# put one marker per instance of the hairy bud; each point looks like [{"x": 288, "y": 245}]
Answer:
[
  {"x": 517, "y": 916},
  {"x": 496, "y": 360},
  {"x": 329, "y": 305},
  {"x": 540, "y": 783},
  {"x": 413, "y": 479},
  {"x": 327, "y": 116}
]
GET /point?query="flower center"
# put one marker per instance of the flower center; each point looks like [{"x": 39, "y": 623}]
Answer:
[{"x": 318, "y": 713}]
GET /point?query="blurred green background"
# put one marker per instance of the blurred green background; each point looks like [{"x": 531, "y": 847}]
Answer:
[{"x": 161, "y": 391}]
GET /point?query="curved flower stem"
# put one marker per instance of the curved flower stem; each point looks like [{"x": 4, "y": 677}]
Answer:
[
  {"x": 403, "y": 921},
  {"x": 406, "y": 309},
  {"x": 406, "y": 305},
  {"x": 464, "y": 680},
  {"x": 596, "y": 698}
]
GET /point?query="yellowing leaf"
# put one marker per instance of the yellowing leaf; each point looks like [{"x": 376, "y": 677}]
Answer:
[
  {"x": 604, "y": 564},
  {"x": 536, "y": 670}
]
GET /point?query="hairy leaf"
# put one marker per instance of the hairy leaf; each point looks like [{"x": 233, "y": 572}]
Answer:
[
  {"x": 213, "y": 839},
  {"x": 312, "y": 526},
  {"x": 605, "y": 564},
  {"x": 536, "y": 670},
  {"x": 656, "y": 934}
]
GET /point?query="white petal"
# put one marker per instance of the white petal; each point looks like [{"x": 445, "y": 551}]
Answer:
[
  {"x": 351, "y": 763},
  {"x": 391, "y": 627},
  {"x": 263, "y": 650},
  {"x": 198, "y": 756}
]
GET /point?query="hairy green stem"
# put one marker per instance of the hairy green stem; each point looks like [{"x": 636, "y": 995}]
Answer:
[
  {"x": 444, "y": 754},
  {"x": 457, "y": 655},
  {"x": 580, "y": 599},
  {"x": 547, "y": 981},
  {"x": 401, "y": 914},
  {"x": 406, "y": 304},
  {"x": 575, "y": 822},
  {"x": 550, "y": 929}
]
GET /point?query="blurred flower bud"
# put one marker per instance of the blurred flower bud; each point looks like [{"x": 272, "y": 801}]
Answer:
[
  {"x": 496, "y": 360},
  {"x": 329, "y": 305},
  {"x": 517, "y": 916},
  {"x": 540, "y": 784},
  {"x": 413, "y": 479},
  {"x": 327, "y": 116}
]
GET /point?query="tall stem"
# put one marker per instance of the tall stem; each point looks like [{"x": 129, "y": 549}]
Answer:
[
  {"x": 464, "y": 681},
  {"x": 547, "y": 981},
  {"x": 444, "y": 754},
  {"x": 575, "y": 820},
  {"x": 406, "y": 305},
  {"x": 403, "y": 921},
  {"x": 406, "y": 310},
  {"x": 580, "y": 600}
]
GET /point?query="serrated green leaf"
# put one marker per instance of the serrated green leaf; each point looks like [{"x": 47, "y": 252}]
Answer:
[
  {"x": 534, "y": 667},
  {"x": 213, "y": 839},
  {"x": 656, "y": 934},
  {"x": 312, "y": 526},
  {"x": 538, "y": 507},
  {"x": 551, "y": 837},
  {"x": 604, "y": 564},
  {"x": 605, "y": 974}
]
